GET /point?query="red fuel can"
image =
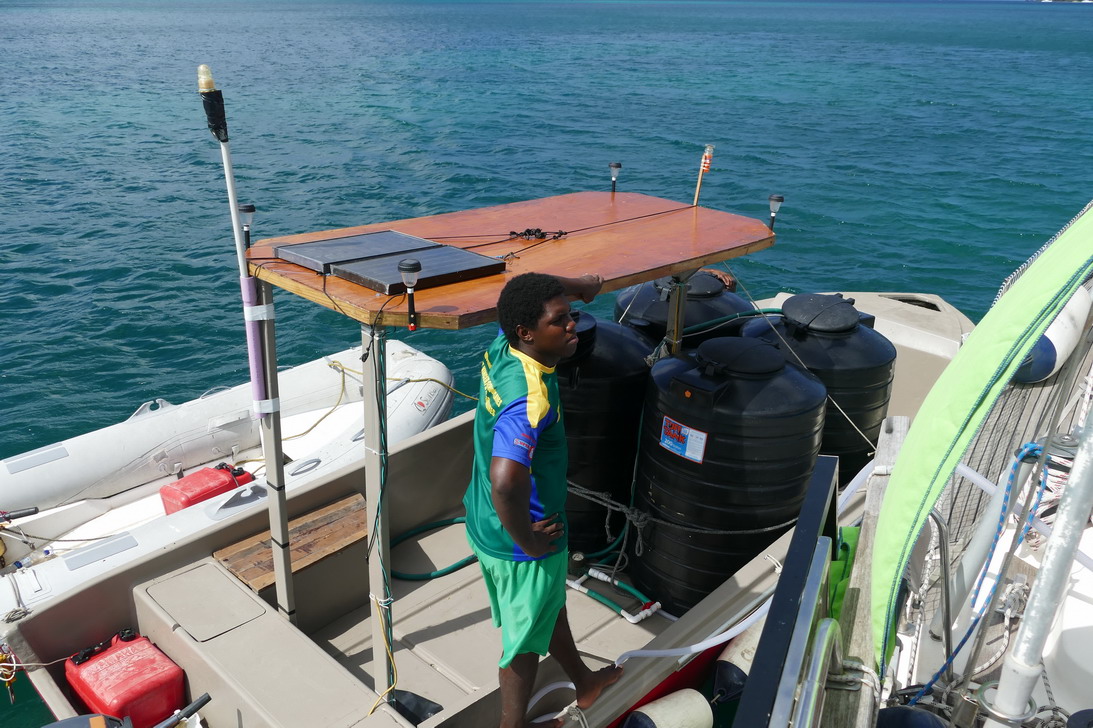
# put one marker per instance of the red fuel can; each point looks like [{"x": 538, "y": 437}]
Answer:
[
  {"x": 128, "y": 677},
  {"x": 202, "y": 485}
]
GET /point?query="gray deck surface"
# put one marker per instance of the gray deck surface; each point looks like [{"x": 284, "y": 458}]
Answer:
[{"x": 443, "y": 628}]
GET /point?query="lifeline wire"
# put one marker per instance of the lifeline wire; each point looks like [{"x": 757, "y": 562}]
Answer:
[
  {"x": 1028, "y": 450},
  {"x": 557, "y": 235}
]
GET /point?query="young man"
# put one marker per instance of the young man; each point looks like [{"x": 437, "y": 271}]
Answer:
[{"x": 516, "y": 499}]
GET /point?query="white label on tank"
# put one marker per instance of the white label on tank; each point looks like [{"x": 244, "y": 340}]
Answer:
[{"x": 682, "y": 440}]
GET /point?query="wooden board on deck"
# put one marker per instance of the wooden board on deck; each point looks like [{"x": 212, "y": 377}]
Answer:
[
  {"x": 313, "y": 536},
  {"x": 625, "y": 237}
]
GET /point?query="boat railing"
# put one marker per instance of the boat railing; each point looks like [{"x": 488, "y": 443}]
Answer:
[
  {"x": 799, "y": 604},
  {"x": 826, "y": 659}
]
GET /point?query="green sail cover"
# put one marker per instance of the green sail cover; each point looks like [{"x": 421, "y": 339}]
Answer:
[{"x": 955, "y": 408}]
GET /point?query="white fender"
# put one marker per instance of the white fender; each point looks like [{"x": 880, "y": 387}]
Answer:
[
  {"x": 684, "y": 708},
  {"x": 1058, "y": 342}
]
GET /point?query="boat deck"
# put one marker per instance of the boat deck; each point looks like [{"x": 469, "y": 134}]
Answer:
[{"x": 446, "y": 647}]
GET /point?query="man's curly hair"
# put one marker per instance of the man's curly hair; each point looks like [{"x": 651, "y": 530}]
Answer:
[{"x": 523, "y": 301}]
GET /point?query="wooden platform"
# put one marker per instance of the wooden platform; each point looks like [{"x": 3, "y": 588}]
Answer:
[
  {"x": 314, "y": 536},
  {"x": 626, "y": 237}
]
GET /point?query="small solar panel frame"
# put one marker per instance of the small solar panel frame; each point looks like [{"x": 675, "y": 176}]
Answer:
[
  {"x": 440, "y": 265},
  {"x": 321, "y": 256}
]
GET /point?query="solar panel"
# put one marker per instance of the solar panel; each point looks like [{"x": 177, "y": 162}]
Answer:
[
  {"x": 440, "y": 265},
  {"x": 323, "y": 255}
]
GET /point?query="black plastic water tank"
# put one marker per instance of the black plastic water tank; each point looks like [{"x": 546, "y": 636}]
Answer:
[
  {"x": 645, "y": 307},
  {"x": 856, "y": 364},
  {"x": 730, "y": 435},
  {"x": 601, "y": 386}
]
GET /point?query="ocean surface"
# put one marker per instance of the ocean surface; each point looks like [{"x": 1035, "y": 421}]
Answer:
[{"x": 920, "y": 147}]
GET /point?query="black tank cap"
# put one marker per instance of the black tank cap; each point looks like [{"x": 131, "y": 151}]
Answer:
[
  {"x": 821, "y": 312},
  {"x": 736, "y": 355},
  {"x": 586, "y": 337},
  {"x": 700, "y": 285}
]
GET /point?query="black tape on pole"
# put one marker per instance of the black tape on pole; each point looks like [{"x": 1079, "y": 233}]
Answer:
[{"x": 214, "y": 112}]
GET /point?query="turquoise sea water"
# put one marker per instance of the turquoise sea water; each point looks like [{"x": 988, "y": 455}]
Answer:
[{"x": 920, "y": 146}]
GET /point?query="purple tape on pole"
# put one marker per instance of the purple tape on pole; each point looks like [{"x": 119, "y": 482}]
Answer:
[{"x": 249, "y": 287}]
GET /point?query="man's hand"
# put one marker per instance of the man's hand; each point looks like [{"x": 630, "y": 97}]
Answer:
[
  {"x": 590, "y": 284},
  {"x": 585, "y": 288},
  {"x": 727, "y": 279},
  {"x": 511, "y": 492},
  {"x": 543, "y": 535}
]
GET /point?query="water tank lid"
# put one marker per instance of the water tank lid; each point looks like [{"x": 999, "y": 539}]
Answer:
[
  {"x": 821, "y": 312},
  {"x": 1080, "y": 719},
  {"x": 586, "y": 337},
  {"x": 735, "y": 355},
  {"x": 700, "y": 285}
]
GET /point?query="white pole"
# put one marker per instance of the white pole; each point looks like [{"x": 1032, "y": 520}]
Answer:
[
  {"x": 1021, "y": 668},
  {"x": 261, "y": 356}
]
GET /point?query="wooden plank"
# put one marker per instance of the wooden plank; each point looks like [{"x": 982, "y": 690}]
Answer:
[
  {"x": 314, "y": 536},
  {"x": 844, "y": 708},
  {"x": 626, "y": 237}
]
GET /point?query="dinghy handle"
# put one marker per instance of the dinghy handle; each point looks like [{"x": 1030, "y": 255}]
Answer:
[{"x": 149, "y": 407}]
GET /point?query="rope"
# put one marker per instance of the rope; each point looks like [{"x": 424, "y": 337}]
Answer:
[
  {"x": 1028, "y": 450},
  {"x": 542, "y": 236},
  {"x": 830, "y": 399},
  {"x": 381, "y": 606},
  {"x": 8, "y": 669},
  {"x": 1014, "y": 599},
  {"x": 640, "y": 518},
  {"x": 335, "y": 365},
  {"x": 410, "y": 381},
  {"x": 1059, "y": 716}
]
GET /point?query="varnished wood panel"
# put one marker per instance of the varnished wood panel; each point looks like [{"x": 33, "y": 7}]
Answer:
[
  {"x": 626, "y": 237},
  {"x": 313, "y": 536}
]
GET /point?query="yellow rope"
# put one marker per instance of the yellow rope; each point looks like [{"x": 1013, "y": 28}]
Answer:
[
  {"x": 341, "y": 396},
  {"x": 335, "y": 364},
  {"x": 339, "y": 365},
  {"x": 390, "y": 656}
]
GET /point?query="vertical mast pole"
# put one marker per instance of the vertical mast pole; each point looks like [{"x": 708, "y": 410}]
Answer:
[
  {"x": 374, "y": 343},
  {"x": 275, "y": 464},
  {"x": 261, "y": 355}
]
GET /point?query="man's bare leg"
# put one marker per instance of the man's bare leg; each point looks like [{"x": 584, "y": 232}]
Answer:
[
  {"x": 516, "y": 682},
  {"x": 589, "y": 684}
]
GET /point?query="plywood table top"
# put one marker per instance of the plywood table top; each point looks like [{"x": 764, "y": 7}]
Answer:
[{"x": 625, "y": 237}]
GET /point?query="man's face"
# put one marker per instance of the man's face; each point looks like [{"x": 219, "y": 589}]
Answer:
[{"x": 554, "y": 336}]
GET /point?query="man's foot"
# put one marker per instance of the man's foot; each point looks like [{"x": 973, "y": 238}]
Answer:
[{"x": 590, "y": 688}]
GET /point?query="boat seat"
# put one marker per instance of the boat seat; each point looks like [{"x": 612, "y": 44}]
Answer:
[
  {"x": 259, "y": 669},
  {"x": 324, "y": 545}
]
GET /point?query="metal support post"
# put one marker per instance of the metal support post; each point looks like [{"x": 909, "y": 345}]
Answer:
[
  {"x": 1021, "y": 668},
  {"x": 946, "y": 598},
  {"x": 677, "y": 299},
  {"x": 374, "y": 343},
  {"x": 270, "y": 431}
]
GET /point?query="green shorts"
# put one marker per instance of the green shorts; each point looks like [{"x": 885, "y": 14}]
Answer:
[{"x": 525, "y": 598}]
